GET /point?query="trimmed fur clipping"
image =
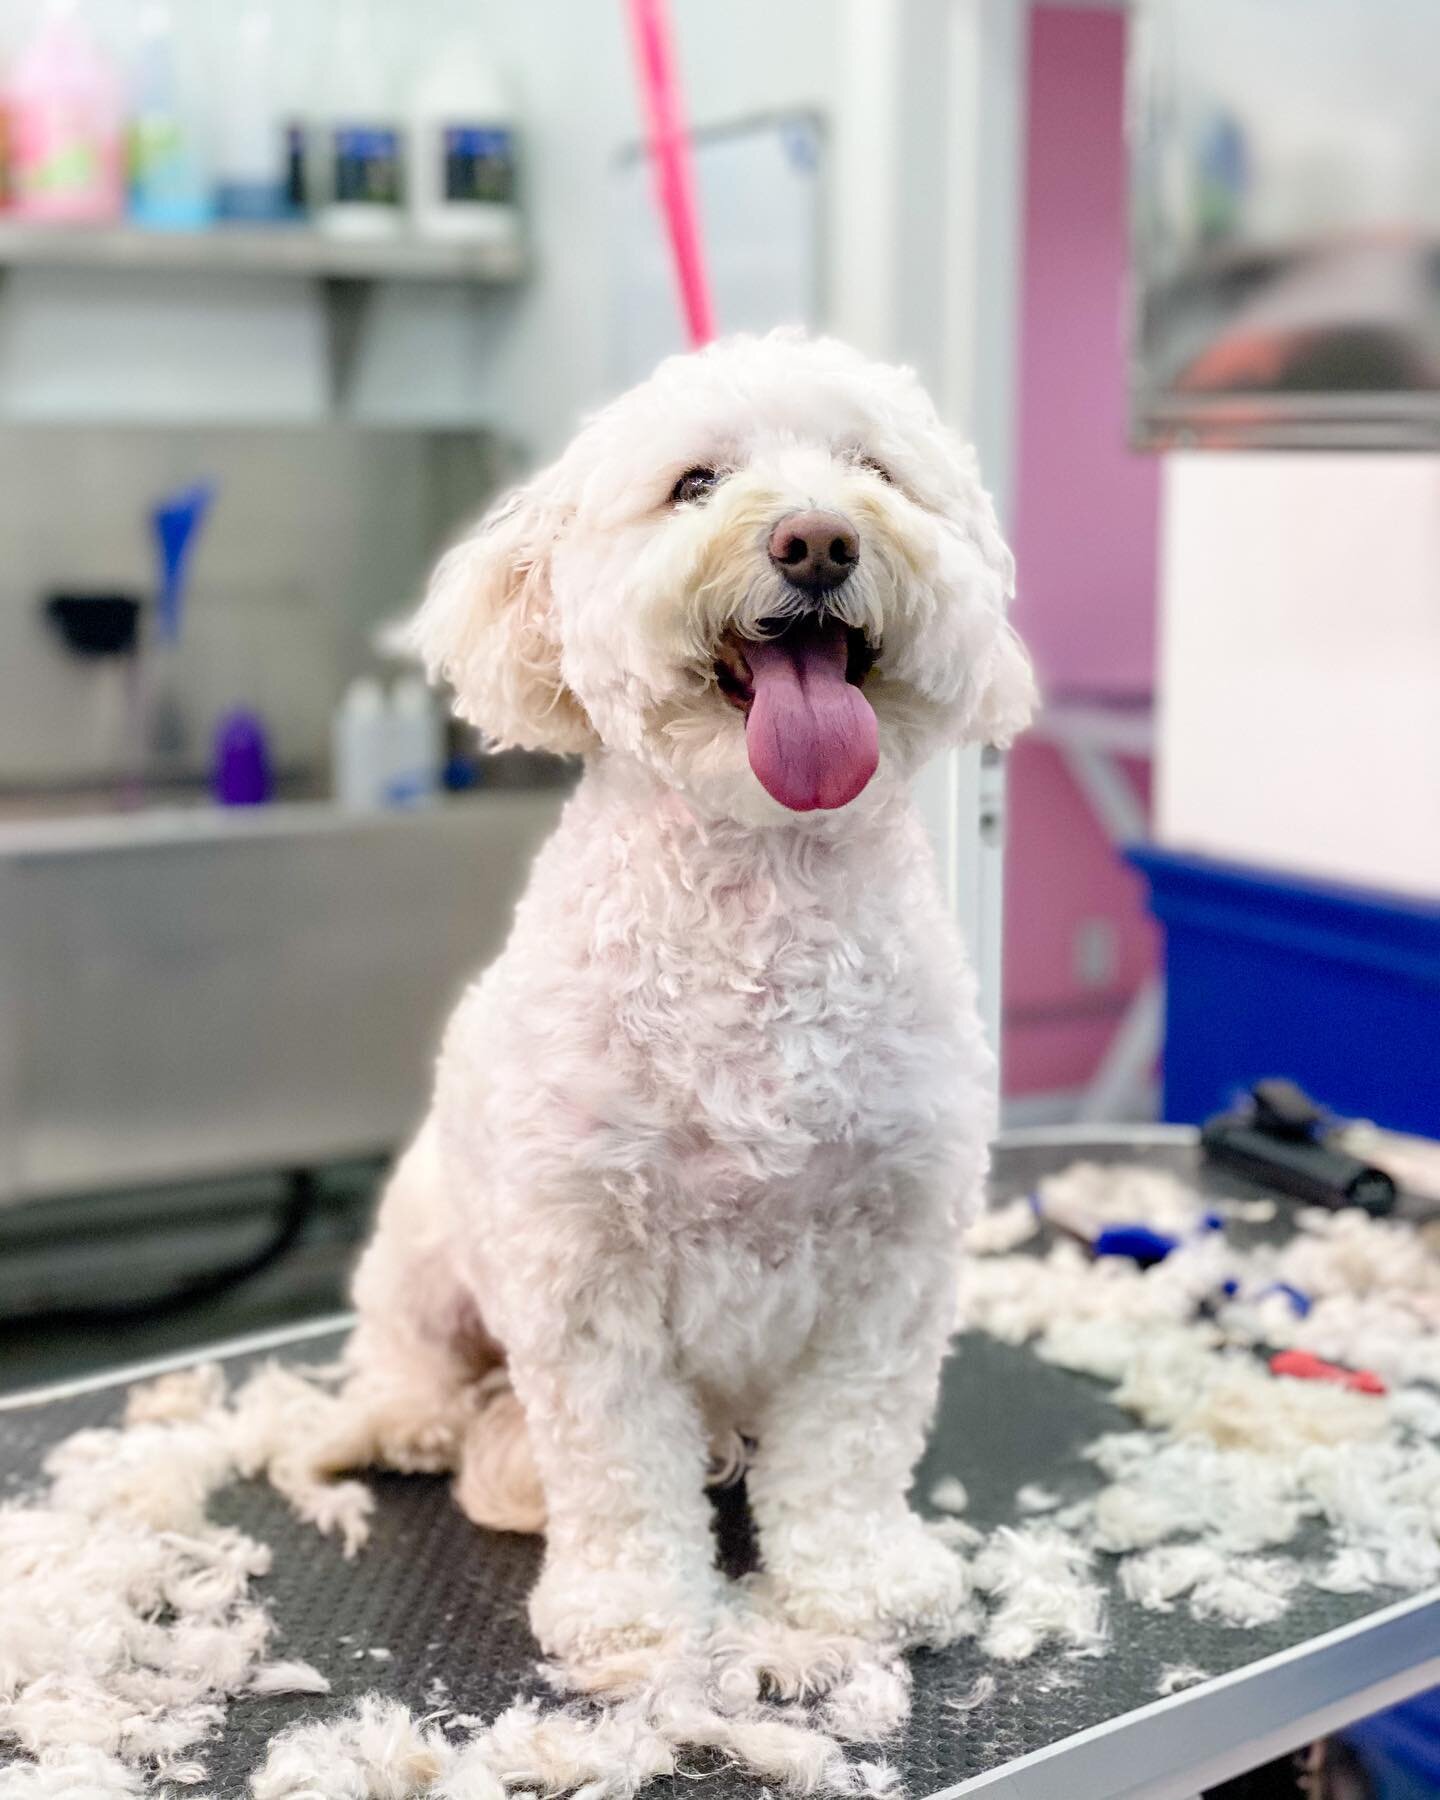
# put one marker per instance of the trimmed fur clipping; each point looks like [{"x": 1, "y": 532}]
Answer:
[
  {"x": 129, "y": 1617},
  {"x": 1233, "y": 1460}
]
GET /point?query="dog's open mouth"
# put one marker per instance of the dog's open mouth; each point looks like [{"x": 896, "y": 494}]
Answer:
[{"x": 810, "y": 733}]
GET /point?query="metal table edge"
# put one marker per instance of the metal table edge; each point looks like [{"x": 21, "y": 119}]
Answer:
[
  {"x": 1223, "y": 1727},
  {"x": 226, "y": 1350},
  {"x": 1102, "y": 1137}
]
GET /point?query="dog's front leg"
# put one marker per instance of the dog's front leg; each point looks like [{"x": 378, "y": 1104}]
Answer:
[
  {"x": 838, "y": 1441},
  {"x": 629, "y": 1574}
]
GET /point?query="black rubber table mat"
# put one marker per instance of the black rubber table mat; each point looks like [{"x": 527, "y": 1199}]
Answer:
[{"x": 445, "y": 1602}]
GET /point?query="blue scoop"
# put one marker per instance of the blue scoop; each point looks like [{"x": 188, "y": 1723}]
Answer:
[{"x": 176, "y": 520}]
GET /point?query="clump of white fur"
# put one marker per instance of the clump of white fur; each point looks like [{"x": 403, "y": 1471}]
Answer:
[
  {"x": 1039, "y": 1577},
  {"x": 776, "y": 1703},
  {"x": 1175, "y": 1676},
  {"x": 1243, "y": 1591},
  {"x": 378, "y": 1749},
  {"x": 1087, "y": 1196},
  {"x": 1001, "y": 1228},
  {"x": 293, "y": 1677},
  {"x": 1235, "y": 1460},
  {"x": 129, "y": 1616},
  {"x": 948, "y": 1495}
]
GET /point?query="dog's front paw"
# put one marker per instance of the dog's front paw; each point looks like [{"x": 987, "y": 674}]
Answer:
[
  {"x": 881, "y": 1579},
  {"x": 612, "y": 1629}
]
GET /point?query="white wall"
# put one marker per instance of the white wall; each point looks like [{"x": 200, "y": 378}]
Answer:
[
  {"x": 545, "y": 350},
  {"x": 1300, "y": 664},
  {"x": 920, "y": 101}
]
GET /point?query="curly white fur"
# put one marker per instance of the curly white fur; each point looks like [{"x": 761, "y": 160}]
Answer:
[{"x": 705, "y": 1137}]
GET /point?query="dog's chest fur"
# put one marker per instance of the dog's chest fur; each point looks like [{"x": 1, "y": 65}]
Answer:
[
  {"x": 715, "y": 1013},
  {"x": 778, "y": 1007}
]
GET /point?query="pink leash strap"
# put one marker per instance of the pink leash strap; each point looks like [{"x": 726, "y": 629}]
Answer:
[{"x": 674, "y": 176}]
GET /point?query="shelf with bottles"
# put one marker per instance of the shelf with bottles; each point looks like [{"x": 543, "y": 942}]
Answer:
[{"x": 167, "y": 147}]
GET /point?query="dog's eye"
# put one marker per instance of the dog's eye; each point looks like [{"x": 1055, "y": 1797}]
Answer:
[
  {"x": 694, "y": 484},
  {"x": 876, "y": 468}
]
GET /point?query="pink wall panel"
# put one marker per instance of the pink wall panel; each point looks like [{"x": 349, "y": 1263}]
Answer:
[
  {"x": 1060, "y": 875},
  {"x": 1059, "y": 871},
  {"x": 1085, "y": 538},
  {"x": 1086, "y": 517},
  {"x": 1053, "y": 1054}
]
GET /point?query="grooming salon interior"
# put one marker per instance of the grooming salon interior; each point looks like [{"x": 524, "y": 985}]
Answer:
[{"x": 291, "y": 293}]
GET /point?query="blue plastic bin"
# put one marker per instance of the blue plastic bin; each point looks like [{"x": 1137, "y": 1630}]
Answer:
[
  {"x": 1266, "y": 974},
  {"x": 1401, "y": 1749}
]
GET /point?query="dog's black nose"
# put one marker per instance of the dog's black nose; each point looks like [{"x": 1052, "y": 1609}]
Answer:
[{"x": 815, "y": 550}]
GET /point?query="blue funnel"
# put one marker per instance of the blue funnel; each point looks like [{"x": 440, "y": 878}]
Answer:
[{"x": 176, "y": 521}]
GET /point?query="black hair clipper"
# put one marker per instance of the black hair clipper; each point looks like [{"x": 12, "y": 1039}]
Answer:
[{"x": 1277, "y": 1137}]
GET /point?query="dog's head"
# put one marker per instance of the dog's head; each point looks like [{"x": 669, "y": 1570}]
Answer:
[{"x": 764, "y": 573}]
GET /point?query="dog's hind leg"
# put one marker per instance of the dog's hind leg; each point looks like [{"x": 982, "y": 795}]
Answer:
[
  {"x": 497, "y": 1484},
  {"x": 418, "y": 1360},
  {"x": 426, "y": 1387}
]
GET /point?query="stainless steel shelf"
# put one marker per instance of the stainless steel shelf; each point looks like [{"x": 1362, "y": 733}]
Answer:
[{"x": 280, "y": 249}]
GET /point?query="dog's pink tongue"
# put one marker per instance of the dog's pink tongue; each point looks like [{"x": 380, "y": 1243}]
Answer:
[{"x": 811, "y": 736}]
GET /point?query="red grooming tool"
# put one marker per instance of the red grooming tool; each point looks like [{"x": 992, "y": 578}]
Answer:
[{"x": 1302, "y": 1366}]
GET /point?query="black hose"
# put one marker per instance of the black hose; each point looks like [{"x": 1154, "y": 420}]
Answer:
[{"x": 296, "y": 1214}]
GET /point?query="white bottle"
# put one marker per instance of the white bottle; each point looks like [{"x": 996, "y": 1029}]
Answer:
[
  {"x": 462, "y": 151},
  {"x": 251, "y": 155},
  {"x": 365, "y": 143},
  {"x": 416, "y": 744},
  {"x": 361, "y": 747},
  {"x": 169, "y": 182}
]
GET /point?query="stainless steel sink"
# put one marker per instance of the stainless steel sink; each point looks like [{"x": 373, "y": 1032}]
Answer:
[{"x": 191, "y": 992}]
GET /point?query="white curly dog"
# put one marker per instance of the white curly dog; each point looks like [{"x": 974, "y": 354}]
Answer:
[{"x": 705, "y": 1135}]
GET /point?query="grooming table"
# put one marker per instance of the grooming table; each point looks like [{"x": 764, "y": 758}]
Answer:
[{"x": 446, "y": 1601}]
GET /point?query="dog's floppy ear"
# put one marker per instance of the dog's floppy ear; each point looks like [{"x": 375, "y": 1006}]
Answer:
[
  {"x": 997, "y": 693},
  {"x": 1005, "y": 692},
  {"x": 1008, "y": 693},
  {"x": 488, "y": 627}
]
